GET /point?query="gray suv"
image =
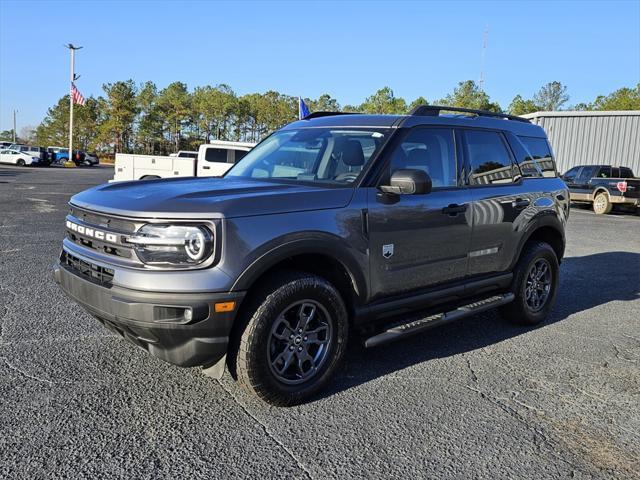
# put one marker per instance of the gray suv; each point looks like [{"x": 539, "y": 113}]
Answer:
[{"x": 334, "y": 225}]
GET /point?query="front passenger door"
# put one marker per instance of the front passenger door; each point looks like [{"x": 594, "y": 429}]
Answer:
[{"x": 420, "y": 240}]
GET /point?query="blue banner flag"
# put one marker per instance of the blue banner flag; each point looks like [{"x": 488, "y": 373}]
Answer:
[{"x": 303, "y": 110}]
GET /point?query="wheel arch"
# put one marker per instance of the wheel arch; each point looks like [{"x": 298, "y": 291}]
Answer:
[
  {"x": 546, "y": 229},
  {"x": 328, "y": 259},
  {"x": 599, "y": 190}
]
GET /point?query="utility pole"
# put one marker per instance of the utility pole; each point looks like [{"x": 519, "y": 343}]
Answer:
[
  {"x": 14, "y": 126},
  {"x": 72, "y": 77},
  {"x": 484, "y": 50}
]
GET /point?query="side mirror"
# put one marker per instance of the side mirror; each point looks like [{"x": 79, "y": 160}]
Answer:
[{"x": 408, "y": 182}]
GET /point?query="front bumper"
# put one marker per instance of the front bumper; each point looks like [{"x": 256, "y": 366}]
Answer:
[{"x": 156, "y": 321}]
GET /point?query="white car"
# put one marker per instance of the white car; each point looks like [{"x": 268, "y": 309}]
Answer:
[{"x": 18, "y": 158}]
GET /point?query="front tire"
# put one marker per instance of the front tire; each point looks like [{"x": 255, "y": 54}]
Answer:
[
  {"x": 601, "y": 204},
  {"x": 294, "y": 339},
  {"x": 21, "y": 162},
  {"x": 535, "y": 285}
]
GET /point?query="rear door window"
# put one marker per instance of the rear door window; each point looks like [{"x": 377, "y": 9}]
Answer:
[
  {"x": 218, "y": 155},
  {"x": 489, "y": 159}
]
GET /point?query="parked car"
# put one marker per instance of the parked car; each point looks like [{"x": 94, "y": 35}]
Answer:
[
  {"x": 17, "y": 157},
  {"x": 39, "y": 152},
  {"x": 5, "y": 145},
  {"x": 57, "y": 150},
  {"x": 90, "y": 159},
  {"x": 78, "y": 157},
  {"x": 336, "y": 224},
  {"x": 61, "y": 153},
  {"x": 603, "y": 186},
  {"x": 213, "y": 160}
]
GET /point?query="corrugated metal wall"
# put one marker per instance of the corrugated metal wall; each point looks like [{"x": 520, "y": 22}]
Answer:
[{"x": 600, "y": 138}]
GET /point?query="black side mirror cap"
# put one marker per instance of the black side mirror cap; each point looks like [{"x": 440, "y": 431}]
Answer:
[{"x": 408, "y": 182}]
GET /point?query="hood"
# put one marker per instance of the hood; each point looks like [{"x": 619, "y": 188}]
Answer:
[{"x": 208, "y": 198}]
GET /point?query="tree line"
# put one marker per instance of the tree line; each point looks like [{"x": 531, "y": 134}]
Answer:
[{"x": 143, "y": 119}]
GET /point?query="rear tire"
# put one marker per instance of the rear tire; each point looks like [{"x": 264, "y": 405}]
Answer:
[
  {"x": 535, "y": 285},
  {"x": 294, "y": 337},
  {"x": 20, "y": 162},
  {"x": 601, "y": 204}
]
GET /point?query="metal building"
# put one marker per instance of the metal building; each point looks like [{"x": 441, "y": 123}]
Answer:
[{"x": 592, "y": 137}]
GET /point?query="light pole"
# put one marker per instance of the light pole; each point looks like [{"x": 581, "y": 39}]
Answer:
[
  {"x": 14, "y": 126},
  {"x": 73, "y": 49}
]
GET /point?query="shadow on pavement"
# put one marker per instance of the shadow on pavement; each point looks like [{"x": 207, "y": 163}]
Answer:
[
  {"x": 580, "y": 290},
  {"x": 10, "y": 172}
]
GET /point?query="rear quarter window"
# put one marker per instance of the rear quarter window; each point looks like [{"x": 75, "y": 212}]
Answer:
[
  {"x": 539, "y": 162},
  {"x": 626, "y": 172}
]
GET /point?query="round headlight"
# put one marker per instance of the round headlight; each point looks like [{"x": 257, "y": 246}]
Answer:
[
  {"x": 195, "y": 244},
  {"x": 172, "y": 245}
]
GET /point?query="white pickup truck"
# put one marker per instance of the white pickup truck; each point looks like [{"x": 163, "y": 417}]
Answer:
[{"x": 213, "y": 160}]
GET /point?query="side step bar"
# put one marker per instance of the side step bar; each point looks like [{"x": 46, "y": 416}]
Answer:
[{"x": 414, "y": 326}]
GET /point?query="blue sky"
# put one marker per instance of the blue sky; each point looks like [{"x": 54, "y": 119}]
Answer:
[{"x": 347, "y": 49}]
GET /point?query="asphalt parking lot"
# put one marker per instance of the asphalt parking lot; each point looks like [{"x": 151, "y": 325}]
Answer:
[{"x": 476, "y": 399}]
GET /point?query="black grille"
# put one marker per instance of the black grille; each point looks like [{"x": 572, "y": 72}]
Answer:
[{"x": 89, "y": 271}]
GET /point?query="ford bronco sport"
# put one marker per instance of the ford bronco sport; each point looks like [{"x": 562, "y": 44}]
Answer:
[{"x": 335, "y": 224}]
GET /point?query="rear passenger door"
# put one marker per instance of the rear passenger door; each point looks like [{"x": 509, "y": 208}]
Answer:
[{"x": 499, "y": 202}]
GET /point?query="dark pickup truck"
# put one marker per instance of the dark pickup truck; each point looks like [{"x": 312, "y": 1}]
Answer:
[{"x": 603, "y": 186}]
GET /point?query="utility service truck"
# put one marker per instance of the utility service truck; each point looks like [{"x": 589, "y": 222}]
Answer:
[{"x": 213, "y": 160}]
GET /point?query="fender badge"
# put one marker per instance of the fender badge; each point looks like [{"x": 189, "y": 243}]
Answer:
[{"x": 387, "y": 250}]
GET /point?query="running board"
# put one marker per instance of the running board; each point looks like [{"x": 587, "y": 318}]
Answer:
[{"x": 405, "y": 329}]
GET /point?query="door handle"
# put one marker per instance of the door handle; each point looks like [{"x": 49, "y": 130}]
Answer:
[
  {"x": 454, "y": 209},
  {"x": 520, "y": 203},
  {"x": 204, "y": 167}
]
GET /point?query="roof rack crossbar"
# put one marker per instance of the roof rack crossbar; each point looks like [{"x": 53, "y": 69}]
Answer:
[
  {"x": 434, "y": 111},
  {"x": 325, "y": 114}
]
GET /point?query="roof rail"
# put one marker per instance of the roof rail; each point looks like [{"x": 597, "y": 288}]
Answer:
[
  {"x": 434, "y": 111},
  {"x": 325, "y": 114}
]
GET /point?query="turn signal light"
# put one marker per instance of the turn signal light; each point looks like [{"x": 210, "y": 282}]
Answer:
[{"x": 224, "y": 307}]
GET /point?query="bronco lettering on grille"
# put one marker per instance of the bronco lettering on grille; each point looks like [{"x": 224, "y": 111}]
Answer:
[{"x": 92, "y": 232}]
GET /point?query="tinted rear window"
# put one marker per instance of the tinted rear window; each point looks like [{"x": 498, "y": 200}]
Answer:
[{"x": 488, "y": 158}]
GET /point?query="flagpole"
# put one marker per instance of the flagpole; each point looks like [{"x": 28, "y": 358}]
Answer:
[
  {"x": 73, "y": 57},
  {"x": 72, "y": 78}
]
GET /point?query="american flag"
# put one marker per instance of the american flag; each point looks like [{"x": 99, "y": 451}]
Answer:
[{"x": 76, "y": 95}]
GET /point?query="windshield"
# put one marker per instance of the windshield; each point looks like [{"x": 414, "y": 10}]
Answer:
[{"x": 324, "y": 155}]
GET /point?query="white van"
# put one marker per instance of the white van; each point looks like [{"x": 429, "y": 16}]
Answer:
[{"x": 213, "y": 160}]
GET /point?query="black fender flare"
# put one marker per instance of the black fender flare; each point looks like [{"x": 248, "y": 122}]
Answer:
[
  {"x": 542, "y": 220},
  {"x": 278, "y": 250}
]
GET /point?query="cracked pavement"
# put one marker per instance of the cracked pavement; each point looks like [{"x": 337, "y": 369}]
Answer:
[{"x": 475, "y": 399}]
